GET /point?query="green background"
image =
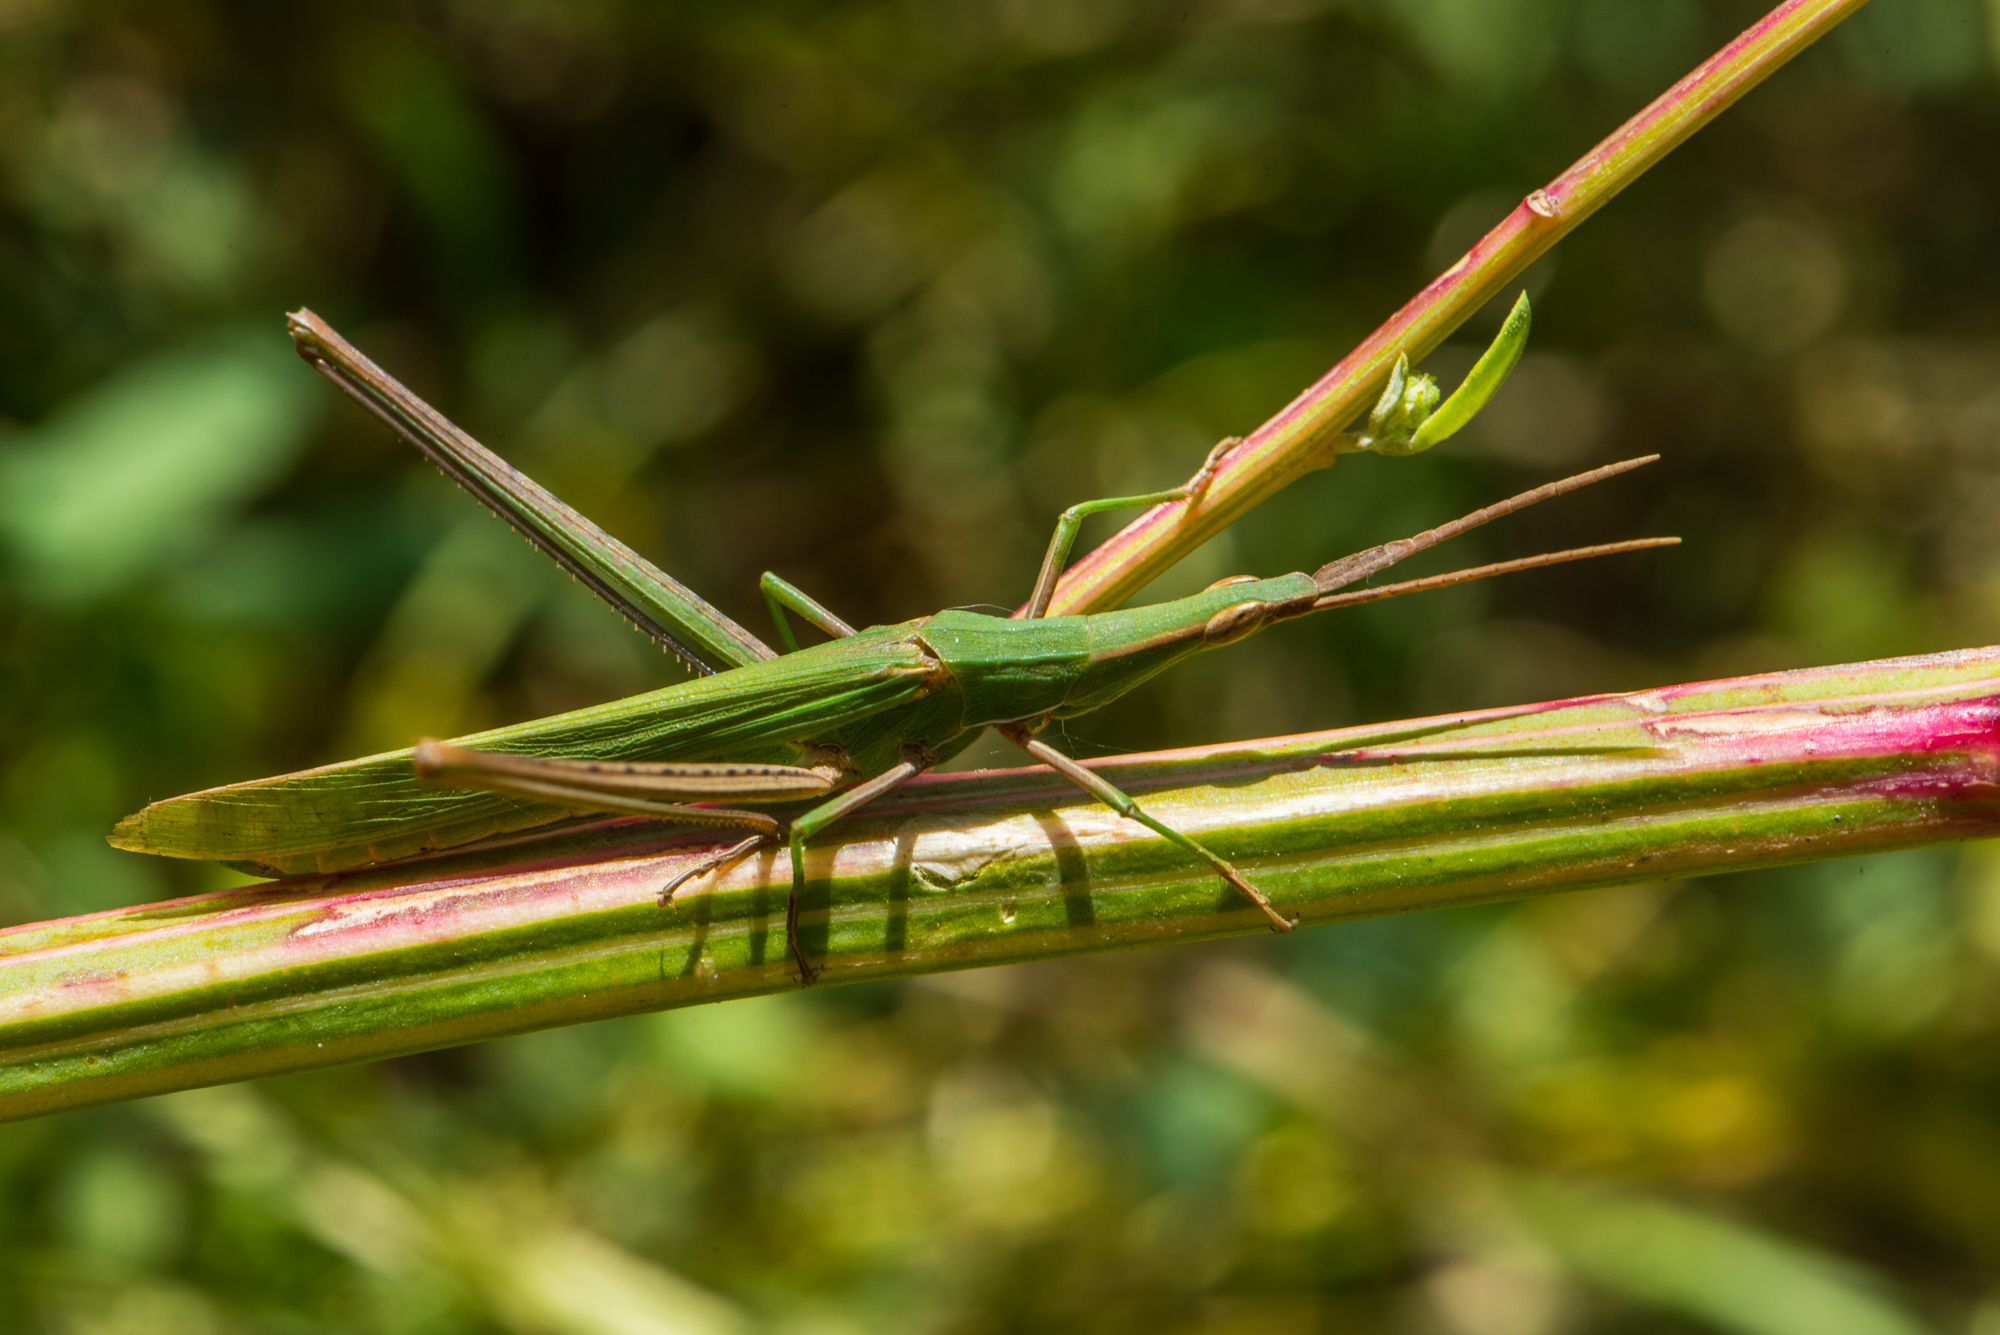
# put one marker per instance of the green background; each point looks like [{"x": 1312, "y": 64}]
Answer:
[{"x": 865, "y": 293}]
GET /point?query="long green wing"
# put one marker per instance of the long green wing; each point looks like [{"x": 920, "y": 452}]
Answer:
[
  {"x": 362, "y": 812},
  {"x": 653, "y": 600}
]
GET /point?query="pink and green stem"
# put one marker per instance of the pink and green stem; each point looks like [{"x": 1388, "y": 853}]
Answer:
[{"x": 959, "y": 871}]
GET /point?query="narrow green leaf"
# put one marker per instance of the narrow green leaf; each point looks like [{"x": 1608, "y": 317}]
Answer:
[{"x": 1487, "y": 375}]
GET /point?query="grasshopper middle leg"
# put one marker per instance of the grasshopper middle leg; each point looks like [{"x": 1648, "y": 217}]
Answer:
[
  {"x": 1111, "y": 796},
  {"x": 914, "y": 762}
]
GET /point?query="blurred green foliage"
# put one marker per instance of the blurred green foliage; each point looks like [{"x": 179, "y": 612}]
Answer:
[{"x": 865, "y": 293}]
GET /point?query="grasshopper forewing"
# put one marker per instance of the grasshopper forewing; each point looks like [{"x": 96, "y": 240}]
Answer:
[{"x": 837, "y": 723}]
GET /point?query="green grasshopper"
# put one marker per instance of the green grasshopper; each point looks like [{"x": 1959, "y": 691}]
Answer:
[{"x": 838, "y": 723}]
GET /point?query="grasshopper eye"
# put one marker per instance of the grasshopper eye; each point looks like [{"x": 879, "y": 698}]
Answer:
[{"x": 1235, "y": 621}]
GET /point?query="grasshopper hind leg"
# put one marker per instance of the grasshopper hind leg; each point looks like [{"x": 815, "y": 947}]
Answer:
[
  {"x": 661, "y": 790},
  {"x": 664, "y": 789}
]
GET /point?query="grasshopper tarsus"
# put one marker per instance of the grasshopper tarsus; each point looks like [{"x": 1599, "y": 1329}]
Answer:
[
  {"x": 808, "y": 975},
  {"x": 722, "y": 861},
  {"x": 1279, "y": 922},
  {"x": 1205, "y": 474}
]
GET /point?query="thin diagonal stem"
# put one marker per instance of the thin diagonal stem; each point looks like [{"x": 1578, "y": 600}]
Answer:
[{"x": 1306, "y": 434}]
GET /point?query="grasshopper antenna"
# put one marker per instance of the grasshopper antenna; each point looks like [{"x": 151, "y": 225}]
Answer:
[
  {"x": 1487, "y": 572},
  {"x": 1341, "y": 573}
]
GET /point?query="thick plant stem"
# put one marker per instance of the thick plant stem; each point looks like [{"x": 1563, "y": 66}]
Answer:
[
  {"x": 963, "y": 870},
  {"x": 1306, "y": 434}
]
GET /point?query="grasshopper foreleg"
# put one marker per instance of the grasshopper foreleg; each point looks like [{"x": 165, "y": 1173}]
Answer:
[
  {"x": 1072, "y": 519},
  {"x": 1119, "y": 802}
]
